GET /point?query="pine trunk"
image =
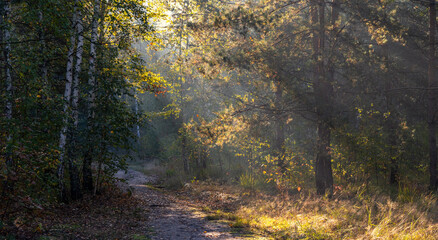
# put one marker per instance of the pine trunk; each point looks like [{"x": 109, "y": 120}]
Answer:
[
  {"x": 6, "y": 35},
  {"x": 41, "y": 36},
  {"x": 323, "y": 89},
  {"x": 391, "y": 124},
  {"x": 432, "y": 97},
  {"x": 279, "y": 128},
  {"x": 8, "y": 64}
]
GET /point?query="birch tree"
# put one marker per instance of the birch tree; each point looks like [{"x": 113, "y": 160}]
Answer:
[
  {"x": 74, "y": 173},
  {"x": 67, "y": 103},
  {"x": 86, "y": 169}
]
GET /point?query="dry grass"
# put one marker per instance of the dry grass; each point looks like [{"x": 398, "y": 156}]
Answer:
[{"x": 305, "y": 216}]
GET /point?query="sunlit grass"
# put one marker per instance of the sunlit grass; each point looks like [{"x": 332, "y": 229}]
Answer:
[{"x": 346, "y": 216}]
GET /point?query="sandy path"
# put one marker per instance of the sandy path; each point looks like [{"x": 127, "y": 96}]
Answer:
[{"x": 169, "y": 218}]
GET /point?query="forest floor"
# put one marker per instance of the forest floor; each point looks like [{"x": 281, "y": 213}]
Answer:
[
  {"x": 138, "y": 207},
  {"x": 170, "y": 217},
  {"x": 133, "y": 209}
]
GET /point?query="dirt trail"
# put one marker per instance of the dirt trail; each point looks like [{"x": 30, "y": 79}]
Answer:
[{"x": 170, "y": 218}]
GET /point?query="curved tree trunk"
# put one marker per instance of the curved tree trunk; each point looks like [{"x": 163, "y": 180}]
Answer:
[
  {"x": 67, "y": 97},
  {"x": 71, "y": 97}
]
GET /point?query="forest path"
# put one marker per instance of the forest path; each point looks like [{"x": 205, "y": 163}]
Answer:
[{"x": 170, "y": 218}]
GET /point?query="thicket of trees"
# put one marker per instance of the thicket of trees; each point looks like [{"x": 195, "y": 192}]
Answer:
[
  {"x": 69, "y": 73},
  {"x": 281, "y": 94},
  {"x": 299, "y": 93}
]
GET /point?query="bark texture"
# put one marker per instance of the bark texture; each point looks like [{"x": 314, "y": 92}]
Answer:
[
  {"x": 71, "y": 96},
  {"x": 279, "y": 127},
  {"x": 87, "y": 174},
  {"x": 391, "y": 123},
  {"x": 323, "y": 92},
  {"x": 8, "y": 64},
  {"x": 432, "y": 97},
  {"x": 6, "y": 37},
  {"x": 75, "y": 184},
  {"x": 66, "y": 110}
]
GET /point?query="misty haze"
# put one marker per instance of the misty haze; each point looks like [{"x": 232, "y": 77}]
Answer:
[{"x": 215, "y": 119}]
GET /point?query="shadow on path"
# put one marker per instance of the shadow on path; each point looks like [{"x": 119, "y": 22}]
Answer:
[{"x": 170, "y": 219}]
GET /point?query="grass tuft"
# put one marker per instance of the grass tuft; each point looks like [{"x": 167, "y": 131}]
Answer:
[{"x": 348, "y": 215}]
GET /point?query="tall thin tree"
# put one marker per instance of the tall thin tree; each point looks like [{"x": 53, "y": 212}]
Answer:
[
  {"x": 322, "y": 90},
  {"x": 431, "y": 111},
  {"x": 8, "y": 64},
  {"x": 279, "y": 126},
  {"x": 6, "y": 37},
  {"x": 66, "y": 109},
  {"x": 87, "y": 176},
  {"x": 72, "y": 158}
]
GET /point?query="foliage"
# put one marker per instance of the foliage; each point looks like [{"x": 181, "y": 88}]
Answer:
[
  {"x": 272, "y": 95},
  {"x": 240, "y": 70},
  {"x": 40, "y": 32}
]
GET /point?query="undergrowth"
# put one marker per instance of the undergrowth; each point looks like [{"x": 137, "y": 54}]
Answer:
[
  {"x": 111, "y": 215},
  {"x": 350, "y": 214}
]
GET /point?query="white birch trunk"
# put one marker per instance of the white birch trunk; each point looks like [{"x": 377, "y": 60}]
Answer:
[
  {"x": 93, "y": 56},
  {"x": 67, "y": 97},
  {"x": 77, "y": 70},
  {"x": 87, "y": 174},
  {"x": 136, "y": 112},
  {"x": 72, "y": 156}
]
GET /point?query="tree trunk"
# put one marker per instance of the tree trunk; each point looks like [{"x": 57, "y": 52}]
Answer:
[
  {"x": 77, "y": 69},
  {"x": 279, "y": 127},
  {"x": 71, "y": 96},
  {"x": 323, "y": 91},
  {"x": 137, "y": 127},
  {"x": 329, "y": 85},
  {"x": 204, "y": 157},
  {"x": 75, "y": 184},
  {"x": 391, "y": 124},
  {"x": 432, "y": 97},
  {"x": 87, "y": 174},
  {"x": 100, "y": 160},
  {"x": 41, "y": 36},
  {"x": 67, "y": 97},
  {"x": 6, "y": 37},
  {"x": 8, "y": 69},
  {"x": 184, "y": 152}
]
